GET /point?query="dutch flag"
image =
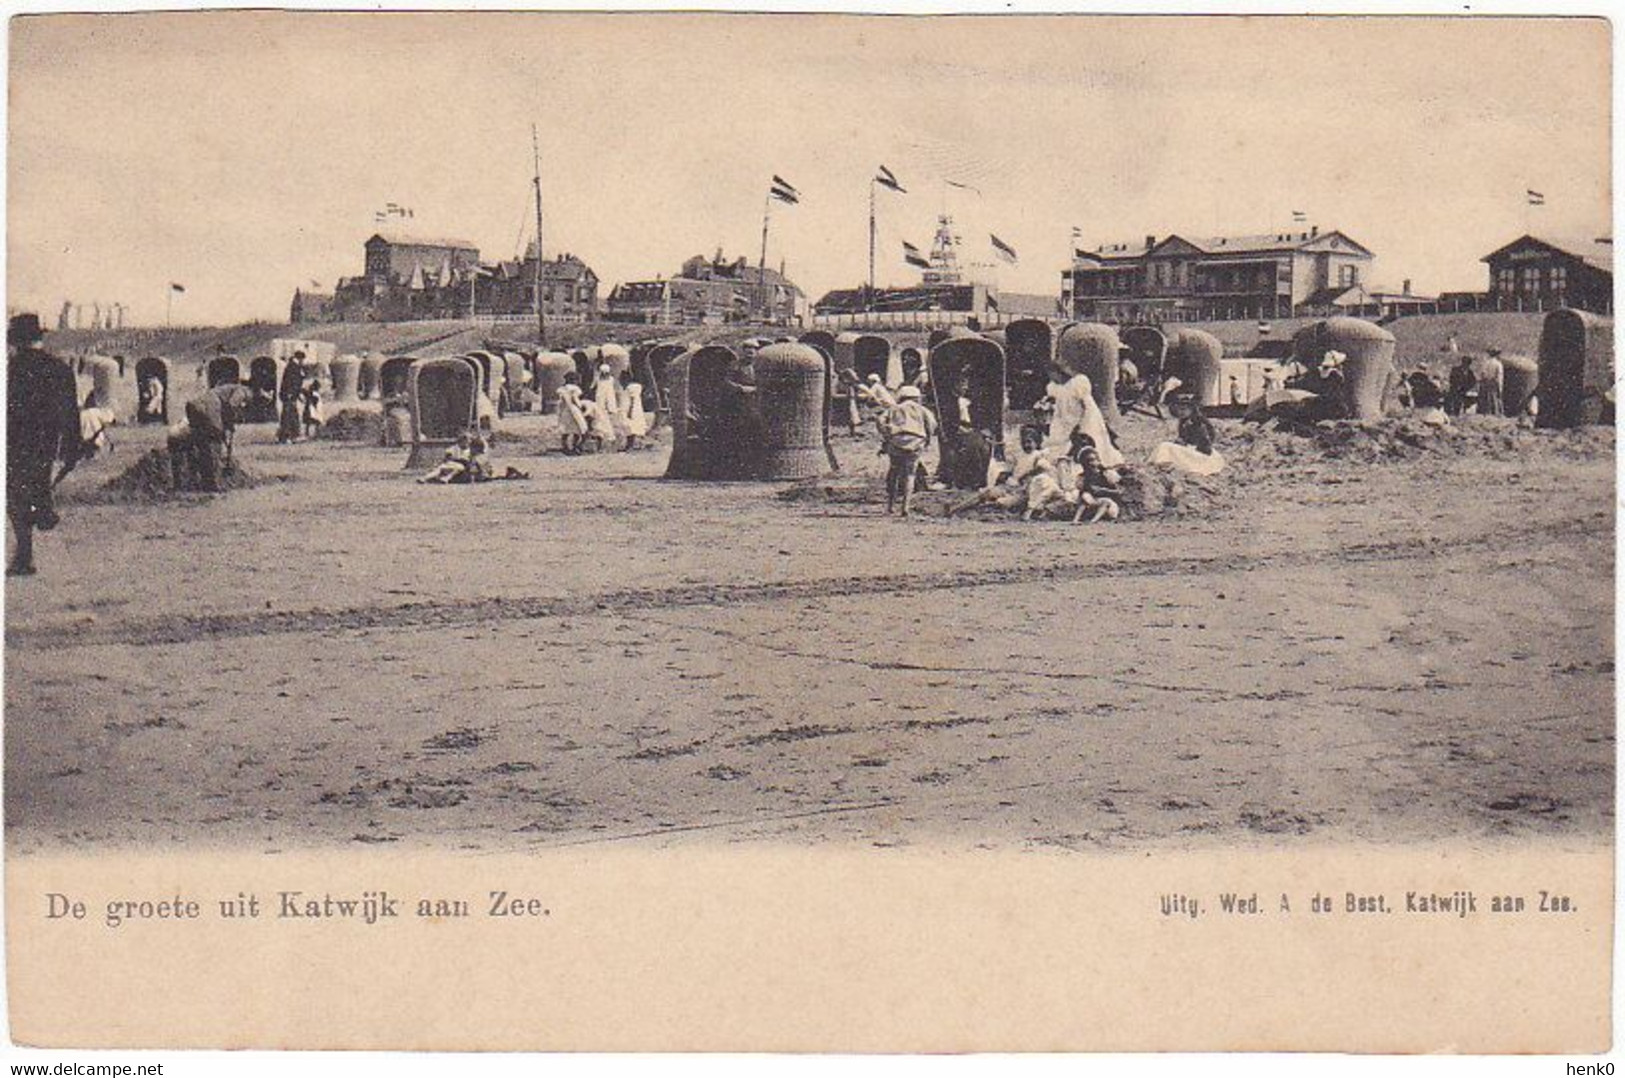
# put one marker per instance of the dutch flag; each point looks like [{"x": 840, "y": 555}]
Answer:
[
  {"x": 782, "y": 191},
  {"x": 886, "y": 178}
]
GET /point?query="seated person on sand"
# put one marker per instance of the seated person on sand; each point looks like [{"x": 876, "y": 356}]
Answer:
[
  {"x": 1331, "y": 398},
  {"x": 95, "y": 430},
  {"x": 457, "y": 463},
  {"x": 1165, "y": 393},
  {"x": 1422, "y": 393},
  {"x": 1192, "y": 448},
  {"x": 1008, "y": 490},
  {"x": 1129, "y": 387},
  {"x": 1095, "y": 489},
  {"x": 152, "y": 397},
  {"x": 469, "y": 461}
]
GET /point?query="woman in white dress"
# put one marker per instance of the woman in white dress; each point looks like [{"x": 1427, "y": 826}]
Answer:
[
  {"x": 572, "y": 420},
  {"x": 1075, "y": 409},
  {"x": 633, "y": 420},
  {"x": 607, "y": 394}
]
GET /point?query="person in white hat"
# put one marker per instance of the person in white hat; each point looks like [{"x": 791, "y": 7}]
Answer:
[
  {"x": 607, "y": 395},
  {"x": 908, "y": 428}
]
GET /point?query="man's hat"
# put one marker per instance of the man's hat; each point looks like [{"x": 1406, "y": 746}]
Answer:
[
  {"x": 24, "y": 329},
  {"x": 908, "y": 393}
]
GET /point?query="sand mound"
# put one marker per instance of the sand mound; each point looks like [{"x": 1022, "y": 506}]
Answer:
[
  {"x": 150, "y": 480},
  {"x": 1405, "y": 438},
  {"x": 354, "y": 425}
]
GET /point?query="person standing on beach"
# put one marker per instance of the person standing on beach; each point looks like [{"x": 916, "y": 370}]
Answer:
[
  {"x": 291, "y": 392},
  {"x": 42, "y": 427},
  {"x": 908, "y": 429}
]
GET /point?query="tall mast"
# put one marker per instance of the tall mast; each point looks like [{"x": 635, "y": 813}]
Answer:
[
  {"x": 761, "y": 266},
  {"x": 541, "y": 316},
  {"x": 869, "y": 303}
]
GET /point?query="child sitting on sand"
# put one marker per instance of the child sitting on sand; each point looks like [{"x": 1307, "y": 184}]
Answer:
[
  {"x": 1097, "y": 494},
  {"x": 455, "y": 464}
]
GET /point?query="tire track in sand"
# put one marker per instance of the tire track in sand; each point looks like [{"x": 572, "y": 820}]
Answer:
[{"x": 185, "y": 629}]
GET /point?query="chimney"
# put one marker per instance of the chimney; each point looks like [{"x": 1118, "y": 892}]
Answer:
[
  {"x": 1314, "y": 230},
  {"x": 1150, "y": 242},
  {"x": 1405, "y": 289}
]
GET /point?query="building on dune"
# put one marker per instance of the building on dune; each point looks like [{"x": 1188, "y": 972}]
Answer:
[
  {"x": 1368, "y": 301},
  {"x": 311, "y": 306},
  {"x": 710, "y": 291},
  {"x": 1542, "y": 273},
  {"x": 1173, "y": 278},
  {"x": 407, "y": 278}
]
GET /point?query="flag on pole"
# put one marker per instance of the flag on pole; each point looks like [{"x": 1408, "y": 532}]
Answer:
[
  {"x": 1002, "y": 249},
  {"x": 885, "y": 178},
  {"x": 782, "y": 191},
  {"x": 1077, "y": 234},
  {"x": 1299, "y": 217},
  {"x": 173, "y": 287},
  {"x": 912, "y": 255},
  {"x": 1535, "y": 197}
]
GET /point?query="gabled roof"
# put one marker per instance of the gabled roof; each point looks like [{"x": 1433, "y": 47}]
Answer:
[
  {"x": 401, "y": 239},
  {"x": 1593, "y": 252},
  {"x": 1259, "y": 243},
  {"x": 565, "y": 268},
  {"x": 1175, "y": 245}
]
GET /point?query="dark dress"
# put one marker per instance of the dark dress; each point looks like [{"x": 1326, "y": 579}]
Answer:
[
  {"x": 291, "y": 394},
  {"x": 42, "y": 427}
]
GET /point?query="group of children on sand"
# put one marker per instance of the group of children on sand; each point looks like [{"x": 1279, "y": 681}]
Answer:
[
  {"x": 613, "y": 413},
  {"x": 1070, "y": 470},
  {"x": 1040, "y": 484}
]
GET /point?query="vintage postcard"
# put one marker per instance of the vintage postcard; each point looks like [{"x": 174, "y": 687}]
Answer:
[{"x": 636, "y": 531}]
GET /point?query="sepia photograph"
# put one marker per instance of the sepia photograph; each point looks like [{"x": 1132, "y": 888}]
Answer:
[{"x": 971, "y": 520}]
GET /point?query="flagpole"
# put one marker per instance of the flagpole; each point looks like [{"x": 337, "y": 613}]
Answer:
[
  {"x": 761, "y": 266},
  {"x": 870, "y": 305},
  {"x": 169, "y": 304},
  {"x": 541, "y": 317}
]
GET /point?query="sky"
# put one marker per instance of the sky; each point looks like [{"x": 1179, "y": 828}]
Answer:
[{"x": 244, "y": 154}]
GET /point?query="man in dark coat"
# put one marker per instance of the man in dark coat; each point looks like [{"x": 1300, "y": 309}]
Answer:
[
  {"x": 291, "y": 393},
  {"x": 42, "y": 427}
]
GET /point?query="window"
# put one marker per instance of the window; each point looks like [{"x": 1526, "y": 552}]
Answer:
[
  {"x": 1558, "y": 278},
  {"x": 1348, "y": 275},
  {"x": 1505, "y": 279},
  {"x": 1529, "y": 279}
]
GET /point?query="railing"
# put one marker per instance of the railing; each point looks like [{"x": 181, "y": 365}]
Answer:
[
  {"x": 1479, "y": 303},
  {"x": 921, "y": 320}
]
